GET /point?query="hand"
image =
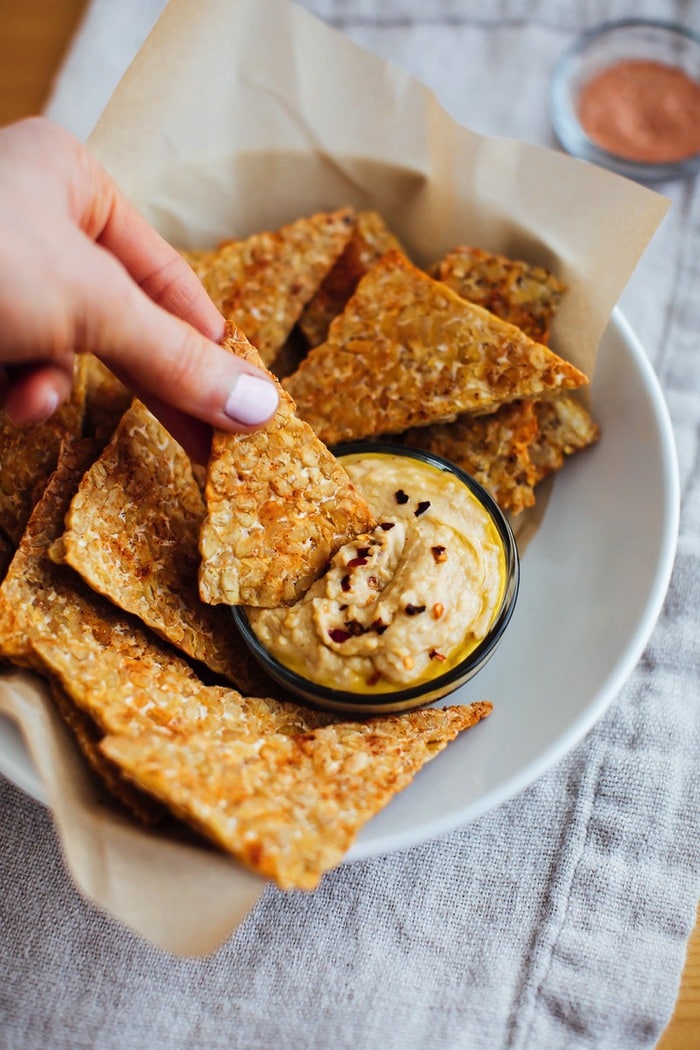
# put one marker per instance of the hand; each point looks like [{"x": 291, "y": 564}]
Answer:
[{"x": 81, "y": 270}]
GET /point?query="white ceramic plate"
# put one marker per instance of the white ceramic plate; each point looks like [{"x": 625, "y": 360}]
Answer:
[{"x": 592, "y": 584}]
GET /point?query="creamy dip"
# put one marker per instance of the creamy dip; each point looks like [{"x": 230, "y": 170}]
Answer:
[{"x": 404, "y": 603}]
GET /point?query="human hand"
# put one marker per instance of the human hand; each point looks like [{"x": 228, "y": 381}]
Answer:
[{"x": 81, "y": 270}]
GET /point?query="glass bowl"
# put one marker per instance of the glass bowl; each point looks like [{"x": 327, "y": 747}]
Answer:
[
  {"x": 437, "y": 687},
  {"x": 601, "y": 48}
]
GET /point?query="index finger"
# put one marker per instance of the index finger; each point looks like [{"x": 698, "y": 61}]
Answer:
[{"x": 154, "y": 264}]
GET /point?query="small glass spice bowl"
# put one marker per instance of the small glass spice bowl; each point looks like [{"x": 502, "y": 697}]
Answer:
[
  {"x": 602, "y": 50},
  {"x": 429, "y": 689}
]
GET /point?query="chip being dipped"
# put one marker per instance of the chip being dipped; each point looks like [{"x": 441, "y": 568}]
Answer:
[{"x": 279, "y": 505}]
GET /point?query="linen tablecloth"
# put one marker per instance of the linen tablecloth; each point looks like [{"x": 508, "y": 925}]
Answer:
[{"x": 559, "y": 919}]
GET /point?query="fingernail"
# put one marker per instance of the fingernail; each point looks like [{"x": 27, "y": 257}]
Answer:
[
  {"x": 51, "y": 403},
  {"x": 252, "y": 400}
]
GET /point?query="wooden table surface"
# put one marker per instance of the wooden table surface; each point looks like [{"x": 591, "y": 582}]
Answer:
[{"x": 34, "y": 35}]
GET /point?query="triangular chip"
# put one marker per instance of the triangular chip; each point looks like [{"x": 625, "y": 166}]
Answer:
[
  {"x": 493, "y": 448},
  {"x": 87, "y": 736},
  {"x": 370, "y": 240},
  {"x": 524, "y": 295},
  {"x": 132, "y": 532},
  {"x": 29, "y": 454},
  {"x": 279, "y": 505},
  {"x": 408, "y": 351},
  {"x": 262, "y": 283},
  {"x": 39, "y": 599},
  {"x": 106, "y": 399},
  {"x": 564, "y": 426},
  {"x": 290, "y": 807},
  {"x": 124, "y": 692}
]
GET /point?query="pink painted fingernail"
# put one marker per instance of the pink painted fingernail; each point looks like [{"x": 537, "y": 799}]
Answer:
[{"x": 252, "y": 400}]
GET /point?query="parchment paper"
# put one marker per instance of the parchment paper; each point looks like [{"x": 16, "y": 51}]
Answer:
[{"x": 237, "y": 116}]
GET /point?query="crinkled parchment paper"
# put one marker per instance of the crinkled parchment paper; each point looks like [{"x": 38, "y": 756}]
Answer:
[{"x": 237, "y": 116}]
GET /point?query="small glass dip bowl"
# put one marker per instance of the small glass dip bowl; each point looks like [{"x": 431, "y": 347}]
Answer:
[
  {"x": 649, "y": 112},
  {"x": 431, "y": 689}
]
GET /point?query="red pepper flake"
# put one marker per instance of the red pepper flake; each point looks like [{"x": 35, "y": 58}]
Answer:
[
  {"x": 437, "y": 610},
  {"x": 345, "y": 582},
  {"x": 421, "y": 508},
  {"x": 363, "y": 552},
  {"x": 354, "y": 562},
  {"x": 373, "y": 583},
  {"x": 400, "y": 496},
  {"x": 378, "y": 626},
  {"x": 414, "y": 610},
  {"x": 350, "y": 630},
  {"x": 439, "y": 553},
  {"x": 354, "y": 628},
  {"x": 435, "y": 655},
  {"x": 386, "y": 525},
  {"x": 374, "y": 678}
]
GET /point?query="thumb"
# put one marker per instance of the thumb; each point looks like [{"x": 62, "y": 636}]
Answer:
[{"x": 162, "y": 357}]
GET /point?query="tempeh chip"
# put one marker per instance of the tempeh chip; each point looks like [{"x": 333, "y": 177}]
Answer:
[
  {"x": 124, "y": 691},
  {"x": 29, "y": 454},
  {"x": 493, "y": 448},
  {"x": 39, "y": 599},
  {"x": 263, "y": 282},
  {"x": 289, "y": 806},
  {"x": 408, "y": 351},
  {"x": 279, "y": 505},
  {"x": 370, "y": 240},
  {"x": 517, "y": 292},
  {"x": 564, "y": 427},
  {"x": 87, "y": 736},
  {"x": 106, "y": 399}
]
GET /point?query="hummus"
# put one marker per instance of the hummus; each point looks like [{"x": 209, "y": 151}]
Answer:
[{"x": 401, "y": 604}]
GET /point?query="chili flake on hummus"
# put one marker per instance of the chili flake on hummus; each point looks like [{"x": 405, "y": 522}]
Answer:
[{"x": 401, "y": 604}]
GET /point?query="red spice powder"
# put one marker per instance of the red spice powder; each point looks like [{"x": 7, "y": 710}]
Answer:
[{"x": 642, "y": 110}]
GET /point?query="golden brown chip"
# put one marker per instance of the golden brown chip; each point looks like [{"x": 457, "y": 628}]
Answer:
[
  {"x": 29, "y": 454},
  {"x": 87, "y": 736},
  {"x": 524, "y": 295},
  {"x": 262, "y": 283},
  {"x": 370, "y": 240},
  {"x": 106, "y": 399},
  {"x": 564, "y": 427},
  {"x": 39, "y": 599},
  {"x": 493, "y": 448},
  {"x": 289, "y": 807},
  {"x": 126, "y": 691},
  {"x": 279, "y": 505},
  {"x": 408, "y": 351},
  {"x": 132, "y": 532}
]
